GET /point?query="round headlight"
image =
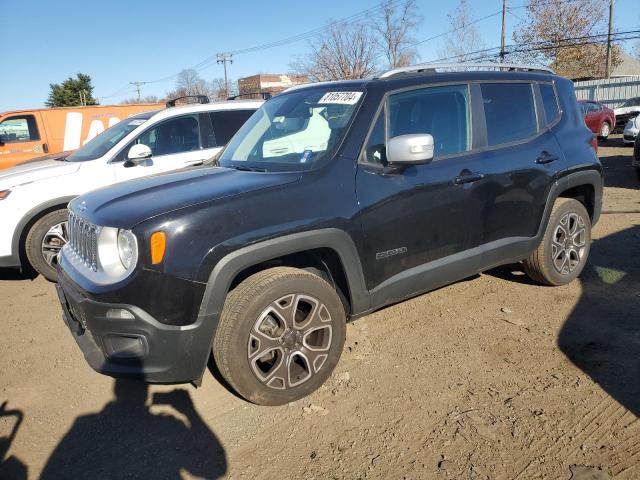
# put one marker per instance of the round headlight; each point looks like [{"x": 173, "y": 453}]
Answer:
[{"x": 127, "y": 249}]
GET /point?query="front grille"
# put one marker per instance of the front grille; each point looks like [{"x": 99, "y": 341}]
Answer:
[{"x": 83, "y": 240}]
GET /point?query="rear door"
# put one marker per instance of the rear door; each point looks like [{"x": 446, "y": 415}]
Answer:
[
  {"x": 520, "y": 161},
  {"x": 22, "y": 137}
]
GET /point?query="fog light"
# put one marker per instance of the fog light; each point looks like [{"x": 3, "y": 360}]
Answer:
[{"x": 120, "y": 314}]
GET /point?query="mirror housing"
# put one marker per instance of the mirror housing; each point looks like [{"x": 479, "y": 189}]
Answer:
[
  {"x": 138, "y": 153},
  {"x": 412, "y": 149}
]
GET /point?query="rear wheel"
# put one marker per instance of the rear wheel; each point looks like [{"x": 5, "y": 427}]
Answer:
[
  {"x": 45, "y": 240},
  {"x": 563, "y": 251},
  {"x": 605, "y": 130},
  {"x": 280, "y": 335}
]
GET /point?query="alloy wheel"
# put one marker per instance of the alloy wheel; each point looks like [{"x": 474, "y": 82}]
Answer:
[
  {"x": 53, "y": 241},
  {"x": 569, "y": 243},
  {"x": 290, "y": 341}
]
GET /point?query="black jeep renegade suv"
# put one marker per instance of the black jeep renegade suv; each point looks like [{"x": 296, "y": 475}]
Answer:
[{"x": 333, "y": 200}]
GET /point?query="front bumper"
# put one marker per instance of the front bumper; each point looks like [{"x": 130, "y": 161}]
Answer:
[
  {"x": 139, "y": 347},
  {"x": 629, "y": 135}
]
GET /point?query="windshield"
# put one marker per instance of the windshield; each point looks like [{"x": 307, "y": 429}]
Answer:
[
  {"x": 294, "y": 131},
  {"x": 101, "y": 144},
  {"x": 632, "y": 102}
]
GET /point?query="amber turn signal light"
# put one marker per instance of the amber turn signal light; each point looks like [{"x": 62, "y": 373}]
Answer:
[{"x": 158, "y": 245}]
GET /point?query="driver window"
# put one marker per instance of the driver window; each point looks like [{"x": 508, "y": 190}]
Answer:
[
  {"x": 376, "y": 151},
  {"x": 173, "y": 136},
  {"x": 19, "y": 129}
]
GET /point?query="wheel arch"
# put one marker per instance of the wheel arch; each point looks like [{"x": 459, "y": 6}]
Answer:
[
  {"x": 29, "y": 219},
  {"x": 330, "y": 250}
]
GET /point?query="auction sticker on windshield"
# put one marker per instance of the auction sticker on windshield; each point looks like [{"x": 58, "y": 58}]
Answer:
[{"x": 344, "y": 98}]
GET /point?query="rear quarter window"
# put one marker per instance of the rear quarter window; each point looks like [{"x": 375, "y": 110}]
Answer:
[
  {"x": 226, "y": 123},
  {"x": 509, "y": 111},
  {"x": 550, "y": 102}
]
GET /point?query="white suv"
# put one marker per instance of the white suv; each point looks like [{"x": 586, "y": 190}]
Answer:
[{"x": 34, "y": 195}]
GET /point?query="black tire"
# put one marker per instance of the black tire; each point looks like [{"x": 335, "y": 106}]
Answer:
[
  {"x": 238, "y": 347},
  {"x": 35, "y": 237},
  {"x": 540, "y": 266}
]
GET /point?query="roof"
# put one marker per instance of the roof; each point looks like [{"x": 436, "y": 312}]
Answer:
[
  {"x": 409, "y": 79},
  {"x": 209, "y": 107}
]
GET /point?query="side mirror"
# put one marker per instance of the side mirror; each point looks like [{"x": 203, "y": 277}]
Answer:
[
  {"x": 138, "y": 154},
  {"x": 413, "y": 149}
]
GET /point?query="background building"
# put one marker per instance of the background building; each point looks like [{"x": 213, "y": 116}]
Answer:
[{"x": 268, "y": 83}]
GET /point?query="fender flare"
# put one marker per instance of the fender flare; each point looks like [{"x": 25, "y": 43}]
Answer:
[
  {"x": 571, "y": 180},
  {"x": 30, "y": 216},
  {"x": 231, "y": 265}
]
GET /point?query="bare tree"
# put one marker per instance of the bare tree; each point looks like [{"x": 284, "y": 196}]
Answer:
[
  {"x": 394, "y": 27},
  {"x": 463, "y": 38},
  {"x": 146, "y": 99},
  {"x": 636, "y": 50},
  {"x": 557, "y": 33},
  {"x": 189, "y": 82},
  {"x": 344, "y": 51}
]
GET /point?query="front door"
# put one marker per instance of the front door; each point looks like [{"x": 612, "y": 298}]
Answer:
[
  {"x": 423, "y": 225},
  {"x": 175, "y": 143},
  {"x": 22, "y": 137}
]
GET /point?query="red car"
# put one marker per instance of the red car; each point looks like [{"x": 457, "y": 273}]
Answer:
[{"x": 599, "y": 118}]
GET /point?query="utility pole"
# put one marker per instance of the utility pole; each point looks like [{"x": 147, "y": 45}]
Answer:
[
  {"x": 504, "y": 16},
  {"x": 137, "y": 85},
  {"x": 225, "y": 58},
  {"x": 608, "y": 72}
]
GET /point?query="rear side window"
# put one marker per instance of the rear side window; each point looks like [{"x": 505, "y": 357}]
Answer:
[
  {"x": 441, "y": 111},
  {"x": 549, "y": 101},
  {"x": 19, "y": 129},
  {"x": 509, "y": 111},
  {"x": 226, "y": 123},
  {"x": 180, "y": 134}
]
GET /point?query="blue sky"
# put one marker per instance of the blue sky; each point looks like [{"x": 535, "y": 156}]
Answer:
[{"x": 119, "y": 41}]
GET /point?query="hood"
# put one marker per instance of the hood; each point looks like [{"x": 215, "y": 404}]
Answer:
[
  {"x": 126, "y": 204},
  {"x": 37, "y": 169},
  {"x": 623, "y": 110}
]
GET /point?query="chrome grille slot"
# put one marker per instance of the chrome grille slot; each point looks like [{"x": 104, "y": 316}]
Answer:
[{"x": 83, "y": 240}]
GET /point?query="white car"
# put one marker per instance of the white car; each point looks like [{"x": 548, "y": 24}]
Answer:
[
  {"x": 34, "y": 195},
  {"x": 631, "y": 130},
  {"x": 628, "y": 110}
]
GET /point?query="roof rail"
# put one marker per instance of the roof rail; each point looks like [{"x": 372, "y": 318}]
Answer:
[
  {"x": 433, "y": 67},
  {"x": 199, "y": 99}
]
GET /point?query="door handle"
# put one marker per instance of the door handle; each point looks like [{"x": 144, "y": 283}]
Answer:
[
  {"x": 193, "y": 163},
  {"x": 469, "y": 178},
  {"x": 45, "y": 148},
  {"x": 546, "y": 157}
]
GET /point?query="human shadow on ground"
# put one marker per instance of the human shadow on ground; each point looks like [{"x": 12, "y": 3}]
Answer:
[
  {"x": 618, "y": 171},
  {"x": 127, "y": 440},
  {"x": 11, "y": 468},
  {"x": 17, "y": 274},
  {"x": 601, "y": 336}
]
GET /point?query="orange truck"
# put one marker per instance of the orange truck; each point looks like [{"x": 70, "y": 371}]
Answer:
[{"x": 29, "y": 134}]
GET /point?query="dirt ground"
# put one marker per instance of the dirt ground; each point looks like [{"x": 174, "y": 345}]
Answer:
[{"x": 493, "y": 377}]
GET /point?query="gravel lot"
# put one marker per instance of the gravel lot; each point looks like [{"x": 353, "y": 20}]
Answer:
[{"x": 493, "y": 377}]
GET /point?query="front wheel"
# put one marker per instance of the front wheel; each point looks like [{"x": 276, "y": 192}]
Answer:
[
  {"x": 563, "y": 251},
  {"x": 605, "y": 130},
  {"x": 45, "y": 240},
  {"x": 280, "y": 335}
]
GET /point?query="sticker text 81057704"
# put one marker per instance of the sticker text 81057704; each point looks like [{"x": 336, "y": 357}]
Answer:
[{"x": 344, "y": 98}]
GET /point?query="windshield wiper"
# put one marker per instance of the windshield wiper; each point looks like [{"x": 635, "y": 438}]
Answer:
[{"x": 248, "y": 169}]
